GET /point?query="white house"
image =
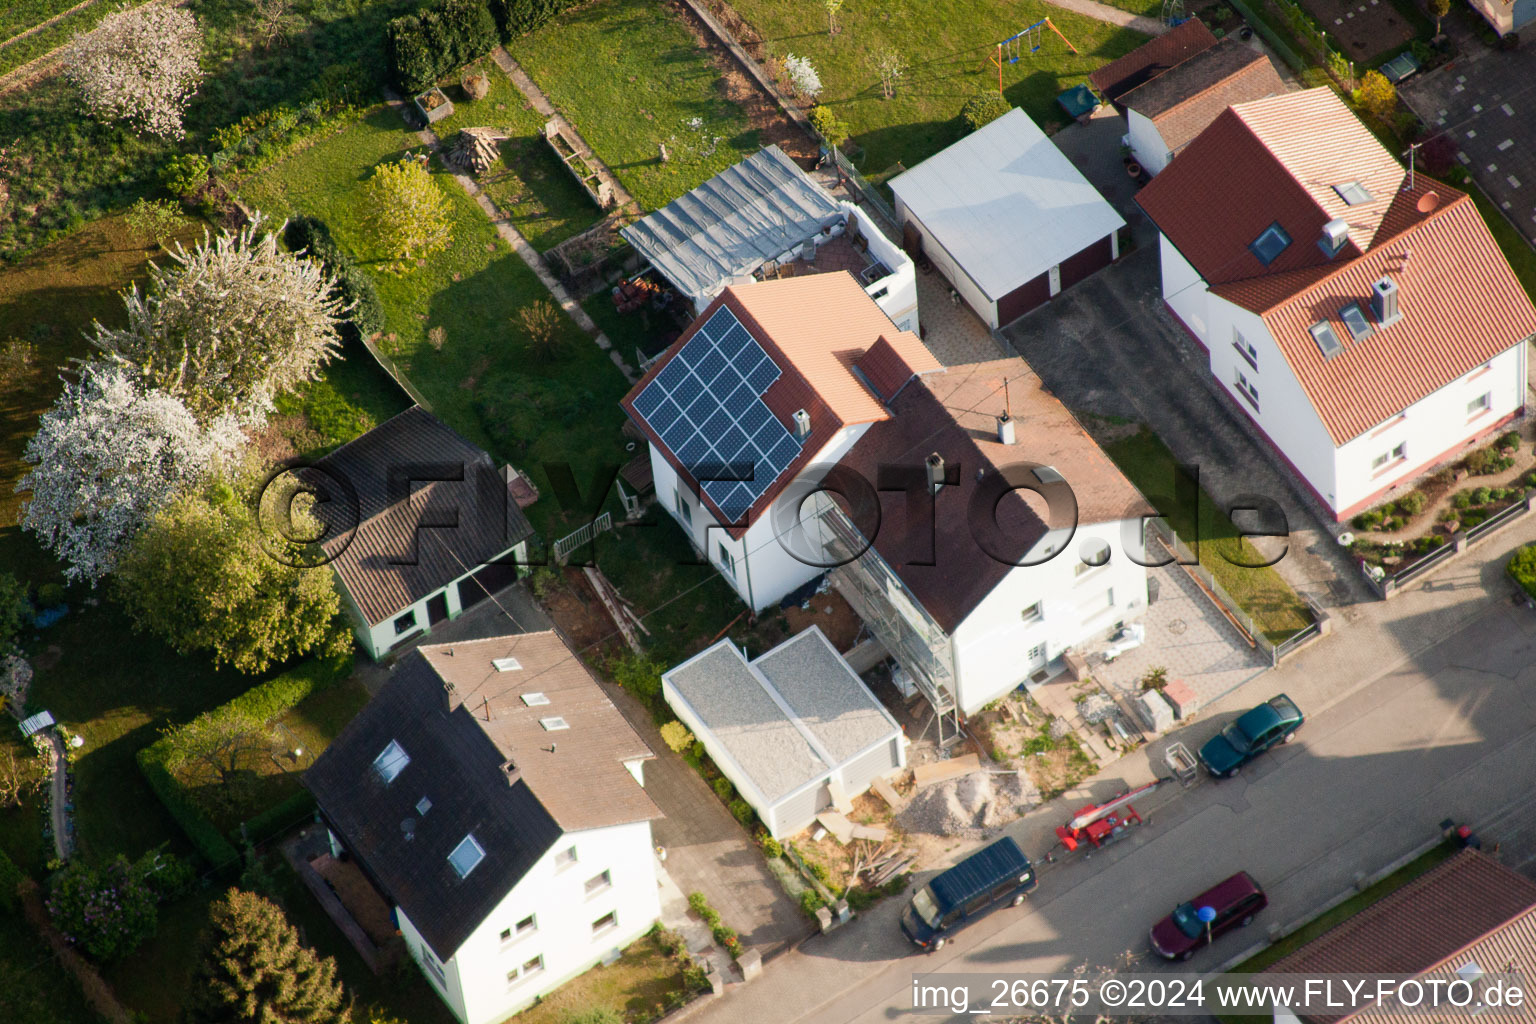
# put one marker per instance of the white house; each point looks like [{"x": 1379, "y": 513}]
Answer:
[
  {"x": 494, "y": 796},
  {"x": 1364, "y": 321},
  {"x": 1006, "y": 218},
  {"x": 762, "y": 219},
  {"x": 770, "y": 378},
  {"x": 1020, "y": 540},
  {"x": 420, "y": 525},
  {"x": 794, "y": 729},
  {"x": 1171, "y": 110},
  {"x": 1508, "y": 17}
]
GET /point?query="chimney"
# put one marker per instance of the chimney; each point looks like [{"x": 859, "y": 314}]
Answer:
[
  {"x": 1384, "y": 302},
  {"x": 1005, "y": 432},
  {"x": 1335, "y": 234},
  {"x": 802, "y": 423},
  {"x": 450, "y": 694},
  {"x": 935, "y": 472}
]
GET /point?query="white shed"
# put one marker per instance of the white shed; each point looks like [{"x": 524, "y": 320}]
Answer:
[
  {"x": 786, "y": 727},
  {"x": 1006, "y": 218}
]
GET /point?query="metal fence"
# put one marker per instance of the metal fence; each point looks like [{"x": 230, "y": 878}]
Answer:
[
  {"x": 860, "y": 184},
  {"x": 1170, "y": 540},
  {"x": 565, "y": 545},
  {"x": 1387, "y": 585}
]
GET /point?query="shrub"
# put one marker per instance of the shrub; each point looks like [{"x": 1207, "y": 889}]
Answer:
[
  {"x": 1508, "y": 439},
  {"x": 354, "y": 286},
  {"x": 772, "y": 847},
  {"x": 1376, "y": 94},
  {"x": 1463, "y": 499},
  {"x": 184, "y": 174},
  {"x": 107, "y": 911},
  {"x": 676, "y": 736},
  {"x": 723, "y": 788},
  {"x": 1486, "y": 461},
  {"x": 1368, "y": 520},
  {"x": 639, "y": 674},
  {"x": 1522, "y": 568},
  {"x": 15, "y": 609},
  {"x": 984, "y": 108},
  {"x": 742, "y": 811},
  {"x": 1412, "y": 503},
  {"x": 516, "y": 17},
  {"x": 811, "y": 901},
  {"x": 722, "y": 935},
  {"x": 1392, "y": 523},
  {"x": 1482, "y": 496},
  {"x": 1449, "y": 515},
  {"x": 11, "y": 878},
  {"x": 831, "y": 127},
  {"x": 698, "y": 903},
  {"x": 446, "y": 35},
  {"x": 1473, "y": 518},
  {"x": 1530, "y": 479},
  {"x": 412, "y": 64}
]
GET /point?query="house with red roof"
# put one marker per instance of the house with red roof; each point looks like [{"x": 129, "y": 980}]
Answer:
[
  {"x": 973, "y": 524},
  {"x": 1362, "y": 318}
]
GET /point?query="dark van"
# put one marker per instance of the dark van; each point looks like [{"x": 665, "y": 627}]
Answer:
[{"x": 958, "y": 896}]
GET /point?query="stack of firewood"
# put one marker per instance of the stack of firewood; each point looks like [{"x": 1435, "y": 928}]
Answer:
[{"x": 474, "y": 149}]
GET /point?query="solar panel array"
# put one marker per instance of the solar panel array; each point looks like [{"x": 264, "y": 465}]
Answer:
[{"x": 707, "y": 407}]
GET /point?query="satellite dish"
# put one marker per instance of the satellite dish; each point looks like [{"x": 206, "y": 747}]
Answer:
[{"x": 1428, "y": 202}]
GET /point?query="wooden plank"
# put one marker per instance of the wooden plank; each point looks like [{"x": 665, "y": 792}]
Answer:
[
  {"x": 839, "y": 826},
  {"x": 940, "y": 771},
  {"x": 885, "y": 791},
  {"x": 874, "y": 832}
]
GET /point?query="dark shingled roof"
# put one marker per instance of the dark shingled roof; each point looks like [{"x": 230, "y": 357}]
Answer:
[
  {"x": 954, "y": 413},
  {"x": 1417, "y": 927},
  {"x": 1151, "y": 59},
  {"x": 366, "y": 483},
  {"x": 1205, "y": 70},
  {"x": 459, "y": 761}
]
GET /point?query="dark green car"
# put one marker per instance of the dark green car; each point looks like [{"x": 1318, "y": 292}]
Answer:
[{"x": 1274, "y": 721}]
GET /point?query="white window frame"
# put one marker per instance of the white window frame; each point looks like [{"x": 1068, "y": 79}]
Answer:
[
  {"x": 727, "y": 559},
  {"x": 684, "y": 509},
  {"x": 598, "y": 928},
  {"x": 565, "y": 858},
  {"x": 1032, "y": 613},
  {"x": 604, "y": 880},
  {"x": 519, "y": 974},
  {"x": 1246, "y": 387},
  {"x": 1479, "y": 405},
  {"x": 392, "y": 760},
  {"x": 517, "y": 931},
  {"x": 1245, "y": 348},
  {"x": 472, "y": 844}
]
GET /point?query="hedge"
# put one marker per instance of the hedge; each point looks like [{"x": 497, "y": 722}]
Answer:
[
  {"x": 447, "y": 34},
  {"x": 265, "y": 702},
  {"x": 1522, "y": 568},
  {"x": 353, "y": 285},
  {"x": 279, "y": 816},
  {"x": 518, "y": 16}
]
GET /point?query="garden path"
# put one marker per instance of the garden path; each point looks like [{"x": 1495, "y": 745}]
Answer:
[
  {"x": 1113, "y": 15},
  {"x": 540, "y": 102},
  {"x": 526, "y": 252},
  {"x": 63, "y": 838},
  {"x": 1426, "y": 521}
]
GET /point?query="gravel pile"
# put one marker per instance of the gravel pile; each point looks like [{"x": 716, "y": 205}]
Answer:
[
  {"x": 970, "y": 807},
  {"x": 1096, "y": 708}
]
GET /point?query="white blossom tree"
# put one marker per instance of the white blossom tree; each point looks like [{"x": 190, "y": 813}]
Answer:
[
  {"x": 139, "y": 66},
  {"x": 107, "y": 456},
  {"x": 802, "y": 76},
  {"x": 229, "y": 325}
]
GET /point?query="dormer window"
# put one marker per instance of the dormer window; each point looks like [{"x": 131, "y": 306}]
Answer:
[
  {"x": 1270, "y": 244},
  {"x": 466, "y": 856},
  {"x": 1353, "y": 193},
  {"x": 391, "y": 762}
]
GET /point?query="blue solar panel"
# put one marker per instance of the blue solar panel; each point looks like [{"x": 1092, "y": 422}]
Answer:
[{"x": 707, "y": 407}]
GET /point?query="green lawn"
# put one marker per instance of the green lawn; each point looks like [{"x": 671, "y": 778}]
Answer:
[
  {"x": 1518, "y": 251},
  {"x": 31, "y": 980},
  {"x": 484, "y": 381},
  {"x": 629, "y": 76},
  {"x": 543, "y": 200},
  {"x": 947, "y": 45},
  {"x": 1262, "y": 593}
]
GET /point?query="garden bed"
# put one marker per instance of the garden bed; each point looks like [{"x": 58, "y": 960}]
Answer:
[{"x": 644, "y": 984}]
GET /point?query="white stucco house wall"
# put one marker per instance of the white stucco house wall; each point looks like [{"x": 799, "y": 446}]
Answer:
[
  {"x": 400, "y": 574},
  {"x": 791, "y": 393},
  {"x": 495, "y": 799},
  {"x": 1366, "y": 325},
  {"x": 794, "y": 729},
  {"x": 763, "y": 219}
]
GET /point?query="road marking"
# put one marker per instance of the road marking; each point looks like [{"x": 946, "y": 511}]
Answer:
[
  {"x": 1507, "y": 109},
  {"x": 1514, "y": 182},
  {"x": 1463, "y": 157},
  {"x": 1472, "y": 134},
  {"x": 1477, "y": 108},
  {"x": 1459, "y": 88},
  {"x": 1492, "y": 168},
  {"x": 1506, "y": 144}
]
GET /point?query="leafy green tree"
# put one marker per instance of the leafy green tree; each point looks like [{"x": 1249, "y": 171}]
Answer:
[
  {"x": 153, "y": 220},
  {"x": 1439, "y": 8},
  {"x": 407, "y": 211},
  {"x": 15, "y": 609},
  {"x": 108, "y": 911},
  {"x": 254, "y": 970},
  {"x": 203, "y": 576},
  {"x": 1376, "y": 95}
]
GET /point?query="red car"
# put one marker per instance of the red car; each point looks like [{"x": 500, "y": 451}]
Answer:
[{"x": 1234, "y": 902}]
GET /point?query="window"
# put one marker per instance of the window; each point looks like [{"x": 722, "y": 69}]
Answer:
[
  {"x": 597, "y": 883},
  {"x": 391, "y": 762},
  {"x": 534, "y": 700},
  {"x": 433, "y": 967},
  {"x": 507, "y": 664},
  {"x": 1353, "y": 193},
  {"x": 1327, "y": 341},
  {"x": 1246, "y": 388},
  {"x": 1400, "y": 452},
  {"x": 1245, "y": 348},
  {"x": 727, "y": 560},
  {"x": 1032, "y": 613},
  {"x": 405, "y": 623},
  {"x": 533, "y": 966},
  {"x": 466, "y": 856},
  {"x": 527, "y": 924},
  {"x": 1354, "y": 319},
  {"x": 554, "y": 724},
  {"x": 1092, "y": 555},
  {"x": 684, "y": 509},
  {"x": 506, "y": 933},
  {"x": 1481, "y": 404},
  {"x": 565, "y": 858},
  {"x": 423, "y": 805},
  {"x": 1109, "y": 598},
  {"x": 1036, "y": 654},
  {"x": 606, "y": 922},
  {"x": 1270, "y": 243}
]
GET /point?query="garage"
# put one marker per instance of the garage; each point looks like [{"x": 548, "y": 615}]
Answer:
[{"x": 1006, "y": 218}]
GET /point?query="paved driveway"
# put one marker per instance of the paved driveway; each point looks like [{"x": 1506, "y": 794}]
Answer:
[
  {"x": 1108, "y": 346},
  {"x": 1486, "y": 102}
]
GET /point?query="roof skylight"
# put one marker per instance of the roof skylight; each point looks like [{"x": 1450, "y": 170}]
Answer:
[
  {"x": 507, "y": 664},
  {"x": 423, "y": 805},
  {"x": 534, "y": 699},
  {"x": 1354, "y": 319},
  {"x": 391, "y": 762},
  {"x": 1272, "y": 241},
  {"x": 554, "y": 724},
  {"x": 466, "y": 856},
  {"x": 1353, "y": 193},
  {"x": 1327, "y": 340}
]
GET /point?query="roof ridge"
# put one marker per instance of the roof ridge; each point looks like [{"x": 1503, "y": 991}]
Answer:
[{"x": 1219, "y": 83}]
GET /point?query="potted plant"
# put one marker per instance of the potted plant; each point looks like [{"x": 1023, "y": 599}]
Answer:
[{"x": 434, "y": 105}]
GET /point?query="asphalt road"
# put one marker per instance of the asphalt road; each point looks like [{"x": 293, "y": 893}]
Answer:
[{"x": 1450, "y": 732}]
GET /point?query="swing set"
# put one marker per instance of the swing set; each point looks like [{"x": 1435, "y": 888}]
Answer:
[{"x": 1021, "y": 43}]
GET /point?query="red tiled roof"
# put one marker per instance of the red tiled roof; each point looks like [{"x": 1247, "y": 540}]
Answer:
[
  {"x": 885, "y": 368},
  {"x": 1277, "y": 161},
  {"x": 954, "y": 413},
  {"x": 814, "y": 329},
  {"x": 1421, "y": 925},
  {"x": 1151, "y": 59},
  {"x": 1184, "y": 101}
]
